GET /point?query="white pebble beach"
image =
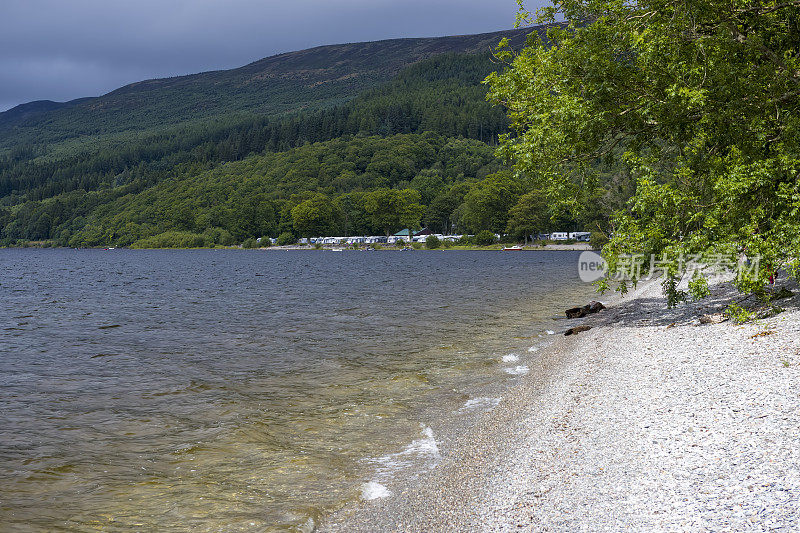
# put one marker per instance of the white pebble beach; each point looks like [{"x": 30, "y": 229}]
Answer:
[{"x": 649, "y": 421}]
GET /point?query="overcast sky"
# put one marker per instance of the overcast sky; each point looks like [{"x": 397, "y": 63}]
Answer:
[{"x": 64, "y": 49}]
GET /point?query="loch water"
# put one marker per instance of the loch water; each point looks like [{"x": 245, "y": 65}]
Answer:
[{"x": 239, "y": 390}]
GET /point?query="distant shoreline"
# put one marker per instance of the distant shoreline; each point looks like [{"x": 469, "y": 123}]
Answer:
[{"x": 491, "y": 248}]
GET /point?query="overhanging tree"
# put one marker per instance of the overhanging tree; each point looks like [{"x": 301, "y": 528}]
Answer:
[{"x": 698, "y": 99}]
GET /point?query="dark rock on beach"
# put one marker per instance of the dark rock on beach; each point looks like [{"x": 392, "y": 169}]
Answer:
[
  {"x": 576, "y": 312},
  {"x": 580, "y": 312},
  {"x": 576, "y": 330},
  {"x": 596, "y": 307}
]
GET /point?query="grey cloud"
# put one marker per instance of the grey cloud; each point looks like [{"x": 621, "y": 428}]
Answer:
[{"x": 58, "y": 50}]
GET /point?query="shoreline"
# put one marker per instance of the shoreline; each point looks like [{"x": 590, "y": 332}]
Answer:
[
  {"x": 492, "y": 248},
  {"x": 648, "y": 421}
]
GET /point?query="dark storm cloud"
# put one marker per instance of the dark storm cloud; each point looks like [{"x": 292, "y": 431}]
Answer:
[{"x": 59, "y": 50}]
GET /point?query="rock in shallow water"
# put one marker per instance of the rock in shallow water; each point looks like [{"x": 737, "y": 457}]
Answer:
[{"x": 576, "y": 330}]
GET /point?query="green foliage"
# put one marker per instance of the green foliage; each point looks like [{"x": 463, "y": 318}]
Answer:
[
  {"x": 285, "y": 238},
  {"x": 314, "y": 79},
  {"x": 443, "y": 212},
  {"x": 697, "y": 102},
  {"x": 441, "y": 94},
  {"x": 172, "y": 239},
  {"x": 739, "y": 314},
  {"x": 298, "y": 191},
  {"x": 415, "y": 147},
  {"x": 598, "y": 240},
  {"x": 250, "y": 243},
  {"x": 314, "y": 216},
  {"x": 485, "y": 238},
  {"x": 529, "y": 216},
  {"x": 429, "y": 183},
  {"x": 219, "y": 237},
  {"x": 488, "y": 202},
  {"x": 432, "y": 242},
  {"x": 698, "y": 287},
  {"x": 392, "y": 210}
]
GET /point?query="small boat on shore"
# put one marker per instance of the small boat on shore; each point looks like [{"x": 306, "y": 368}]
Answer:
[{"x": 515, "y": 248}]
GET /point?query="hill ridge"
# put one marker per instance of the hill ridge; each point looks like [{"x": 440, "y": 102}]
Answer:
[{"x": 261, "y": 87}]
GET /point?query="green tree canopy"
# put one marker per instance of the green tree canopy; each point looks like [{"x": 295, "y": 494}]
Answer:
[
  {"x": 429, "y": 183},
  {"x": 392, "y": 209},
  {"x": 529, "y": 215},
  {"x": 442, "y": 211},
  {"x": 487, "y": 203},
  {"x": 698, "y": 100},
  {"x": 253, "y": 215},
  {"x": 314, "y": 217}
]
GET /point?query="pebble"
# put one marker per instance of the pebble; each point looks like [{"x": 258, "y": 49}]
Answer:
[{"x": 635, "y": 426}]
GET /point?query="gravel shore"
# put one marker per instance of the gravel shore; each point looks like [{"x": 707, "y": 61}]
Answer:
[{"x": 650, "y": 421}]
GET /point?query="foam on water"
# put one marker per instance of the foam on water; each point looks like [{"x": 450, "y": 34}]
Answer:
[
  {"x": 374, "y": 490},
  {"x": 482, "y": 403},
  {"x": 426, "y": 446},
  {"x": 520, "y": 370},
  {"x": 510, "y": 358},
  {"x": 421, "y": 453},
  {"x": 307, "y": 527}
]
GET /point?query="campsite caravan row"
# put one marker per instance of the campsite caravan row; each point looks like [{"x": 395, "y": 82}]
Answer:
[
  {"x": 580, "y": 236},
  {"x": 422, "y": 236},
  {"x": 375, "y": 239},
  {"x": 345, "y": 240}
]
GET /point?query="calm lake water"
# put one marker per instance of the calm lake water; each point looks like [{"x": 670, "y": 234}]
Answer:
[{"x": 249, "y": 390}]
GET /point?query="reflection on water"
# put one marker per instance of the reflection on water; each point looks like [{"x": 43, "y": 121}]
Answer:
[{"x": 248, "y": 390}]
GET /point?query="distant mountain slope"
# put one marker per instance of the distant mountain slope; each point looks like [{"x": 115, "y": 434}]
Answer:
[
  {"x": 28, "y": 110},
  {"x": 306, "y": 80},
  {"x": 442, "y": 94}
]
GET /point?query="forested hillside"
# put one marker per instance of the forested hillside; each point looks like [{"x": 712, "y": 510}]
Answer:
[
  {"x": 256, "y": 196},
  {"x": 443, "y": 94},
  {"x": 422, "y": 142}
]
